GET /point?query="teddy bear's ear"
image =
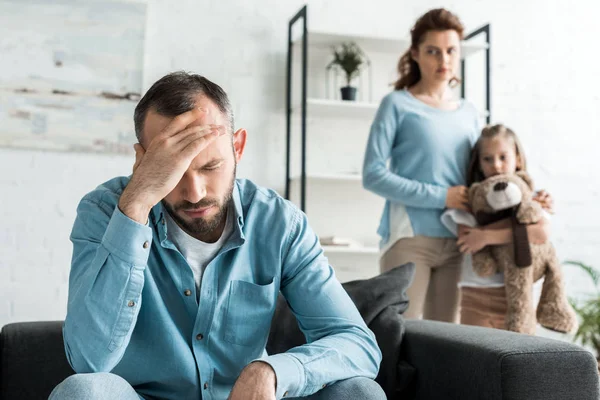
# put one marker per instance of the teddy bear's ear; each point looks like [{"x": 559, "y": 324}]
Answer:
[
  {"x": 472, "y": 191},
  {"x": 525, "y": 176}
]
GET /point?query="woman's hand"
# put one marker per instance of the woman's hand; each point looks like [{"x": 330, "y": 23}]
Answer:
[
  {"x": 458, "y": 197},
  {"x": 545, "y": 200}
]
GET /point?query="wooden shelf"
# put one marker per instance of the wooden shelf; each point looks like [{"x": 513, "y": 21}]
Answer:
[
  {"x": 339, "y": 177},
  {"x": 350, "y": 250},
  {"x": 337, "y": 108},
  {"x": 378, "y": 44},
  {"x": 343, "y": 109}
]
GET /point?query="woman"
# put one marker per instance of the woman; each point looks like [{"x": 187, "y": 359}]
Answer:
[{"x": 426, "y": 134}]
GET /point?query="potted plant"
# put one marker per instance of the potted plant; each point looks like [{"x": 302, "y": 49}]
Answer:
[
  {"x": 350, "y": 58},
  {"x": 588, "y": 311}
]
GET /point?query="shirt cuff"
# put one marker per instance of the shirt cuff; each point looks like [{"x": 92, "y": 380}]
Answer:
[
  {"x": 291, "y": 379},
  {"x": 441, "y": 198},
  {"x": 128, "y": 239}
]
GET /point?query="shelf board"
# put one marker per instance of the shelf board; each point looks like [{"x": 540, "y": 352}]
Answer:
[
  {"x": 340, "y": 177},
  {"x": 379, "y": 44},
  {"x": 337, "y": 108},
  {"x": 350, "y": 250},
  {"x": 346, "y": 109}
]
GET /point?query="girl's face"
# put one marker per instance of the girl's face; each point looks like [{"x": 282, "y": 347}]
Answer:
[
  {"x": 498, "y": 155},
  {"x": 438, "y": 55}
]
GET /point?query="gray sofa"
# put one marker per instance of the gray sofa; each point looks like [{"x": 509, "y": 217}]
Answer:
[{"x": 421, "y": 359}]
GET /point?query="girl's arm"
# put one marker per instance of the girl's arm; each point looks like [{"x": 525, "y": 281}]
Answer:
[
  {"x": 501, "y": 232},
  {"x": 471, "y": 240}
]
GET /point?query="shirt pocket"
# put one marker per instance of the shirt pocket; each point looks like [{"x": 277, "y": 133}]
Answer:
[{"x": 250, "y": 309}]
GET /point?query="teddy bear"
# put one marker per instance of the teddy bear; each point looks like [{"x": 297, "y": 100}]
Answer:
[{"x": 523, "y": 263}]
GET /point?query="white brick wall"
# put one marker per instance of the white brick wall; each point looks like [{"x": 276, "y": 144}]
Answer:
[{"x": 545, "y": 86}]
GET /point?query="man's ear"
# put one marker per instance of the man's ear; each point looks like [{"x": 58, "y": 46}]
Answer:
[
  {"x": 525, "y": 176},
  {"x": 239, "y": 143}
]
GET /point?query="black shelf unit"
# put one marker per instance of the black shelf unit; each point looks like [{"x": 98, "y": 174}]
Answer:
[{"x": 302, "y": 15}]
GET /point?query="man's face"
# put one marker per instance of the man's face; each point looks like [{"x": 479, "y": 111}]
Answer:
[{"x": 200, "y": 200}]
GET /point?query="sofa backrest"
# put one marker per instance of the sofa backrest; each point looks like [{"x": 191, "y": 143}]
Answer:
[{"x": 33, "y": 360}]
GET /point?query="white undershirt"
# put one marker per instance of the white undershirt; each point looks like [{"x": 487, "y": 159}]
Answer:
[{"x": 198, "y": 254}]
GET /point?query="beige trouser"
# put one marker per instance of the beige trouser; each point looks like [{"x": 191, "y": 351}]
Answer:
[
  {"x": 483, "y": 306},
  {"x": 434, "y": 292}
]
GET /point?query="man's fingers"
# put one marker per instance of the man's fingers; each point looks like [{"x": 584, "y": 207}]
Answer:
[
  {"x": 139, "y": 154},
  {"x": 195, "y": 143},
  {"x": 183, "y": 138},
  {"x": 196, "y": 133},
  {"x": 182, "y": 121}
]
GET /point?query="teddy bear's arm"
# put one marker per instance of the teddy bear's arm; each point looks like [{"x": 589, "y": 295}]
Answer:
[{"x": 530, "y": 213}]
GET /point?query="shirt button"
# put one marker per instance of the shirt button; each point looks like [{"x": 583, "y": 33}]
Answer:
[
  {"x": 131, "y": 303},
  {"x": 187, "y": 292},
  {"x": 162, "y": 221},
  {"x": 323, "y": 387},
  {"x": 199, "y": 336},
  {"x": 205, "y": 385},
  {"x": 146, "y": 244},
  {"x": 285, "y": 394}
]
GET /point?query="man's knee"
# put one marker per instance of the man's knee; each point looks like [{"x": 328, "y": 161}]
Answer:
[
  {"x": 100, "y": 385},
  {"x": 358, "y": 388}
]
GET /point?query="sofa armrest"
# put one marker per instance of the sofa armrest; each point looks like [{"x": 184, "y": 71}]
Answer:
[
  {"x": 33, "y": 360},
  {"x": 467, "y": 362}
]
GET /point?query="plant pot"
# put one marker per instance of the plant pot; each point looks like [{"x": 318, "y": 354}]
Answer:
[{"x": 348, "y": 93}]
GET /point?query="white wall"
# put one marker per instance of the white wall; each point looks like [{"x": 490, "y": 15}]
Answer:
[{"x": 545, "y": 86}]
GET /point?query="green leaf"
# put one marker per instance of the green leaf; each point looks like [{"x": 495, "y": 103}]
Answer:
[
  {"x": 588, "y": 269},
  {"x": 349, "y": 57},
  {"x": 588, "y": 310}
]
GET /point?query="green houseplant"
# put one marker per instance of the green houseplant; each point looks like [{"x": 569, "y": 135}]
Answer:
[
  {"x": 588, "y": 310},
  {"x": 350, "y": 59}
]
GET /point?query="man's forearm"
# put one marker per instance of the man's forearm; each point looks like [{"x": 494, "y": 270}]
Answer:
[
  {"x": 257, "y": 380},
  {"x": 132, "y": 206}
]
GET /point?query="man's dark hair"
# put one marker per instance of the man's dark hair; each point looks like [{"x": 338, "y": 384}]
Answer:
[{"x": 175, "y": 93}]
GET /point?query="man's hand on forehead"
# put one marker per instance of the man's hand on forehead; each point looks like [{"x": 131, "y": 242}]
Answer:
[
  {"x": 160, "y": 167},
  {"x": 204, "y": 117}
]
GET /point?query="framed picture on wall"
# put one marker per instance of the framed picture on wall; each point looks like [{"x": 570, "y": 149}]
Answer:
[{"x": 71, "y": 74}]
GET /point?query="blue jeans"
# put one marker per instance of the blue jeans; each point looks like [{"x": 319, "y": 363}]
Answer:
[{"x": 103, "y": 385}]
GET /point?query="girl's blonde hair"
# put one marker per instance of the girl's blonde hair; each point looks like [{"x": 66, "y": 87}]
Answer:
[
  {"x": 437, "y": 19},
  {"x": 474, "y": 172}
]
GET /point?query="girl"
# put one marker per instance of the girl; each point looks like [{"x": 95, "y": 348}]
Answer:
[
  {"x": 426, "y": 135},
  {"x": 483, "y": 300}
]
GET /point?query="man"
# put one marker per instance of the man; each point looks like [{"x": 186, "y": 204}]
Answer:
[{"x": 176, "y": 272}]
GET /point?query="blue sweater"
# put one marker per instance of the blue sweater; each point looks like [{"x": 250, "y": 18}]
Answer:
[{"x": 428, "y": 151}]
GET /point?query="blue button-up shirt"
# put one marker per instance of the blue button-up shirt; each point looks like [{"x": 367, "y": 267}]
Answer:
[{"x": 133, "y": 311}]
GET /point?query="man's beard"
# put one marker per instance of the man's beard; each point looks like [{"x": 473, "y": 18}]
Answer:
[{"x": 201, "y": 227}]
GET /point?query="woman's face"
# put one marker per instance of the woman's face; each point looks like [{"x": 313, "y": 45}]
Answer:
[{"x": 438, "y": 56}]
